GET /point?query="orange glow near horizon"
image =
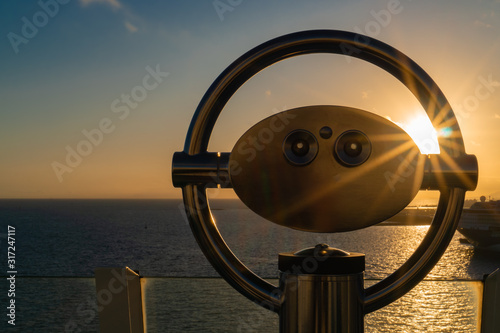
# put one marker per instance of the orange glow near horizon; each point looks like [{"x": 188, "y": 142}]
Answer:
[{"x": 112, "y": 132}]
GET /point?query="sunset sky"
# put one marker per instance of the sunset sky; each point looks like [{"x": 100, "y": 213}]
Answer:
[{"x": 97, "y": 95}]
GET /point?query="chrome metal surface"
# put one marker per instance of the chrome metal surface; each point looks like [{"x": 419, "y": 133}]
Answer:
[
  {"x": 322, "y": 303},
  {"x": 490, "y": 321},
  {"x": 338, "y": 42},
  {"x": 446, "y": 171},
  {"x": 323, "y": 194},
  {"x": 323, "y": 250},
  {"x": 208, "y": 169},
  {"x": 321, "y": 259},
  {"x": 220, "y": 256},
  {"x": 345, "y": 43},
  {"x": 322, "y": 291}
]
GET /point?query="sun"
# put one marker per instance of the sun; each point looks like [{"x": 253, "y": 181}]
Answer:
[{"x": 423, "y": 133}]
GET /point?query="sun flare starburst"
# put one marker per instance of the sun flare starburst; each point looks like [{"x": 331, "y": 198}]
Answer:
[{"x": 423, "y": 133}]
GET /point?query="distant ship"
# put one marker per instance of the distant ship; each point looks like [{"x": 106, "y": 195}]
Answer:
[{"x": 480, "y": 224}]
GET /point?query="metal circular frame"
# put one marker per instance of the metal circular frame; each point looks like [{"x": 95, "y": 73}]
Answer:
[{"x": 351, "y": 44}]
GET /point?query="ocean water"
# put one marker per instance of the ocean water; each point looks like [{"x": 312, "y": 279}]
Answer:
[{"x": 59, "y": 243}]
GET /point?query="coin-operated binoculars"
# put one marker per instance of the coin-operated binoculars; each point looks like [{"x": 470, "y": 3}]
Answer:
[{"x": 324, "y": 169}]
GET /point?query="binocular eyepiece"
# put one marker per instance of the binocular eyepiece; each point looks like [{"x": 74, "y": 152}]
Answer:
[
  {"x": 300, "y": 147},
  {"x": 351, "y": 149}
]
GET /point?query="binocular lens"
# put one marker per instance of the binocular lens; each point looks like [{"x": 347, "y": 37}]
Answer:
[
  {"x": 300, "y": 147},
  {"x": 352, "y": 148}
]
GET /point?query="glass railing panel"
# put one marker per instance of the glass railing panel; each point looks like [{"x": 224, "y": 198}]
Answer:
[
  {"x": 67, "y": 304},
  {"x": 432, "y": 306},
  {"x": 53, "y": 304},
  {"x": 211, "y": 305}
]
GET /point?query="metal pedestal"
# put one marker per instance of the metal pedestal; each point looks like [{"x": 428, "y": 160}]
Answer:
[{"x": 322, "y": 291}]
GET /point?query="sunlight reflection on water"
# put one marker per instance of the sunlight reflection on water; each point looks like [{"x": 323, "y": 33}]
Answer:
[
  {"x": 432, "y": 306},
  {"x": 257, "y": 243},
  {"x": 190, "y": 297},
  {"x": 211, "y": 305}
]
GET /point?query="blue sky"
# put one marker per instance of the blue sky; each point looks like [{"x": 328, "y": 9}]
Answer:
[{"x": 61, "y": 80}]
